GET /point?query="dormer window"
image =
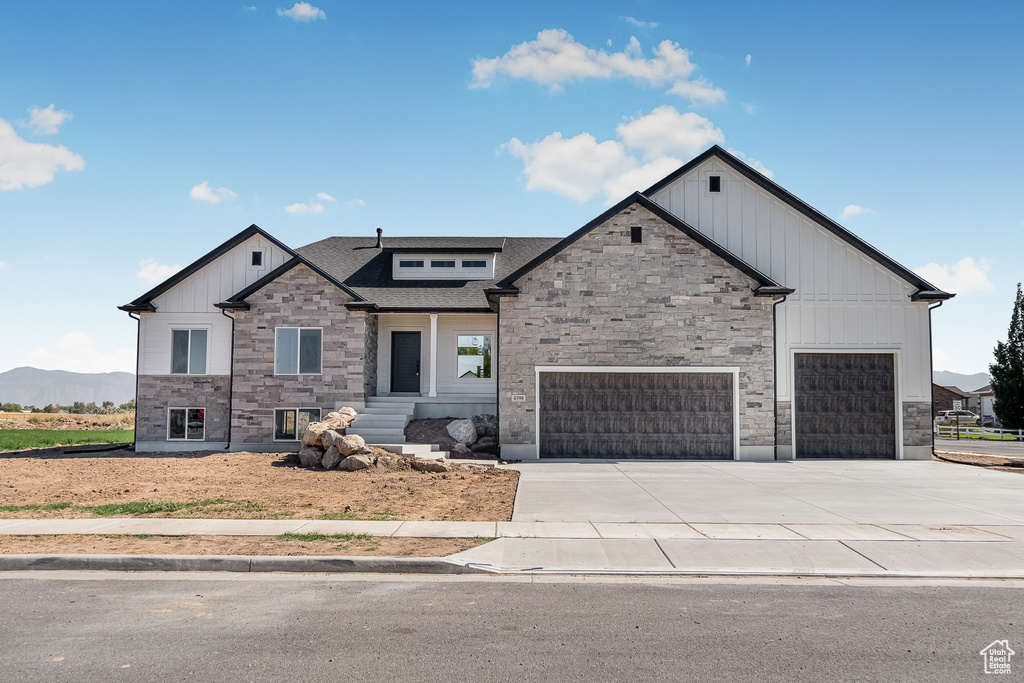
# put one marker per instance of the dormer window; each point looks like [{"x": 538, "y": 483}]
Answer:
[
  {"x": 442, "y": 264},
  {"x": 474, "y": 264},
  {"x": 410, "y": 264}
]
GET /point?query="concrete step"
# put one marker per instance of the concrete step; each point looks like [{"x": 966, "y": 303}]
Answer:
[
  {"x": 386, "y": 410},
  {"x": 420, "y": 450},
  {"x": 379, "y": 435},
  {"x": 409, "y": 408},
  {"x": 374, "y": 421}
]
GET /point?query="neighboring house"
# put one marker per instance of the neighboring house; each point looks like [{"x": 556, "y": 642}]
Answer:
[
  {"x": 943, "y": 397},
  {"x": 985, "y": 399},
  {"x": 714, "y": 315}
]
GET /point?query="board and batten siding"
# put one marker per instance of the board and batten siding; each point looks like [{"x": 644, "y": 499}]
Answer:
[
  {"x": 190, "y": 305},
  {"x": 449, "y": 326},
  {"x": 843, "y": 299}
]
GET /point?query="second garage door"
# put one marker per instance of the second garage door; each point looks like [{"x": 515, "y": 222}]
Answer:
[
  {"x": 636, "y": 415},
  {"x": 845, "y": 405}
]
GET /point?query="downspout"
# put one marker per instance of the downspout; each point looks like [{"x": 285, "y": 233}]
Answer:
[
  {"x": 138, "y": 357},
  {"x": 775, "y": 373},
  {"x": 497, "y": 379},
  {"x": 231, "y": 377},
  {"x": 931, "y": 376}
]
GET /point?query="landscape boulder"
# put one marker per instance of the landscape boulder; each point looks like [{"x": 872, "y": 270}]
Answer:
[
  {"x": 429, "y": 465},
  {"x": 462, "y": 431},
  {"x": 310, "y": 457},
  {"x": 355, "y": 462},
  {"x": 313, "y": 435},
  {"x": 486, "y": 425},
  {"x": 460, "y": 450},
  {"x": 331, "y": 458},
  {"x": 351, "y": 444},
  {"x": 390, "y": 462},
  {"x": 329, "y": 438}
]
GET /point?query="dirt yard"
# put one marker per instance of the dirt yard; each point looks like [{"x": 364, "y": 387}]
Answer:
[
  {"x": 47, "y": 483},
  {"x": 66, "y": 421},
  {"x": 986, "y": 461}
]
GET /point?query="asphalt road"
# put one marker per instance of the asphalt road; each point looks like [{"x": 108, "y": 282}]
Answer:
[
  {"x": 113, "y": 628},
  {"x": 979, "y": 446}
]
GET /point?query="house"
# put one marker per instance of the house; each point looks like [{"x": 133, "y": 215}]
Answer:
[
  {"x": 713, "y": 315},
  {"x": 943, "y": 397},
  {"x": 985, "y": 400}
]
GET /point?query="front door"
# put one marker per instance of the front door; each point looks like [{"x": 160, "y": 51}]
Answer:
[{"x": 405, "y": 362}]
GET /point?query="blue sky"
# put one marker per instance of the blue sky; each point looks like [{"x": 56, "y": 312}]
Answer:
[{"x": 137, "y": 136}]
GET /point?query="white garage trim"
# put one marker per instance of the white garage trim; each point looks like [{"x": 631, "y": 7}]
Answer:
[
  {"x": 897, "y": 390},
  {"x": 734, "y": 371}
]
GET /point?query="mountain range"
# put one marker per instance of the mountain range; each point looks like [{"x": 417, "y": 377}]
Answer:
[
  {"x": 33, "y": 387},
  {"x": 963, "y": 382}
]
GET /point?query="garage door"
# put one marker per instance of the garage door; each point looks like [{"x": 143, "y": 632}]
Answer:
[
  {"x": 636, "y": 415},
  {"x": 845, "y": 405}
]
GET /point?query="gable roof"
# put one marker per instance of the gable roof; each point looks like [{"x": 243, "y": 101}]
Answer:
[
  {"x": 238, "y": 301},
  {"x": 926, "y": 290},
  {"x": 767, "y": 286},
  {"x": 145, "y": 302},
  {"x": 956, "y": 390}
]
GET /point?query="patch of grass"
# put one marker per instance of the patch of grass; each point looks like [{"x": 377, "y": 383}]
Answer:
[
  {"x": 37, "y": 507},
  {"x": 21, "y": 439},
  {"x": 361, "y": 515},
  {"x": 146, "y": 507},
  {"x": 484, "y": 539},
  {"x": 336, "y": 538}
]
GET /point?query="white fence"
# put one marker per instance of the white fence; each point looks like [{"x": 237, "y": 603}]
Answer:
[{"x": 987, "y": 433}]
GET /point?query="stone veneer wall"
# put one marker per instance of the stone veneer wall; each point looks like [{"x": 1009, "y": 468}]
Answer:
[
  {"x": 157, "y": 393},
  {"x": 784, "y": 420},
  {"x": 299, "y": 298},
  {"x": 665, "y": 302},
  {"x": 917, "y": 424},
  {"x": 370, "y": 361}
]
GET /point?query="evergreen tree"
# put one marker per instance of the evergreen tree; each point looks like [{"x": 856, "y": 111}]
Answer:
[{"x": 1008, "y": 371}]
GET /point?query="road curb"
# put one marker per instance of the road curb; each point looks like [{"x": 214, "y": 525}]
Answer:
[{"x": 235, "y": 563}]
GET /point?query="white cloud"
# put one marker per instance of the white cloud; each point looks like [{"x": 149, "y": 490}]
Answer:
[
  {"x": 211, "y": 195},
  {"x": 641, "y": 24},
  {"x": 940, "y": 359},
  {"x": 302, "y": 11},
  {"x": 31, "y": 164},
  {"x": 251, "y": 8},
  {"x": 648, "y": 148},
  {"x": 753, "y": 163},
  {"x": 555, "y": 58},
  {"x": 355, "y": 203},
  {"x": 45, "y": 120},
  {"x": 963, "y": 277},
  {"x": 747, "y": 60},
  {"x": 749, "y": 108},
  {"x": 153, "y": 272},
  {"x": 852, "y": 211},
  {"x": 666, "y": 132},
  {"x": 325, "y": 197},
  {"x": 300, "y": 208},
  {"x": 78, "y": 352}
]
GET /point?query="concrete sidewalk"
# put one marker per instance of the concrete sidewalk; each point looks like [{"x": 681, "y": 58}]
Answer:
[{"x": 895, "y": 550}]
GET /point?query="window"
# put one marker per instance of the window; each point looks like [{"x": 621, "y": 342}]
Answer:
[
  {"x": 290, "y": 423},
  {"x": 474, "y": 264},
  {"x": 297, "y": 350},
  {"x": 714, "y": 183},
  {"x": 256, "y": 259},
  {"x": 442, "y": 264},
  {"x": 410, "y": 264},
  {"x": 636, "y": 234},
  {"x": 474, "y": 359},
  {"x": 186, "y": 424},
  {"x": 188, "y": 352}
]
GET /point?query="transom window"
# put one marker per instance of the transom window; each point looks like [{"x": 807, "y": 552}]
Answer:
[
  {"x": 410, "y": 264},
  {"x": 474, "y": 264},
  {"x": 188, "y": 352},
  {"x": 298, "y": 350},
  {"x": 291, "y": 423},
  {"x": 474, "y": 356},
  {"x": 442, "y": 264},
  {"x": 186, "y": 424}
]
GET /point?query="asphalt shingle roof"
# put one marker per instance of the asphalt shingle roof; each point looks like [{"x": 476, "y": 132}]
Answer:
[{"x": 360, "y": 265}]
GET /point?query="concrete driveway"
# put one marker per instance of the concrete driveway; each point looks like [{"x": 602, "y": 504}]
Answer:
[{"x": 822, "y": 492}]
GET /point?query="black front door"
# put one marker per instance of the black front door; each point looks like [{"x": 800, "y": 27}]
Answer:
[{"x": 405, "y": 362}]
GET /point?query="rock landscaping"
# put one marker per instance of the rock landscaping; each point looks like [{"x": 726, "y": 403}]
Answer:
[{"x": 475, "y": 438}]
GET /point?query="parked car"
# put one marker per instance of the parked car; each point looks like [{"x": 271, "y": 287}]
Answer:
[{"x": 950, "y": 417}]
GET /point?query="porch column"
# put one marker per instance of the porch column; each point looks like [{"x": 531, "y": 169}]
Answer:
[{"x": 433, "y": 355}]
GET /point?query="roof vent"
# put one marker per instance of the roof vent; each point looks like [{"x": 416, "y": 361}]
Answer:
[{"x": 380, "y": 245}]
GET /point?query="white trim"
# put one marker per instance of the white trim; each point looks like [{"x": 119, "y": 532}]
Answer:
[
  {"x": 894, "y": 352},
  {"x": 734, "y": 371},
  {"x": 298, "y": 351},
  {"x": 186, "y": 409},
  {"x": 433, "y": 355},
  {"x": 298, "y": 437},
  {"x": 263, "y": 260}
]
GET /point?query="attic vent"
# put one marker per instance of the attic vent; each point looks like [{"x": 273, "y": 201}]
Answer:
[
  {"x": 636, "y": 234},
  {"x": 714, "y": 183}
]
